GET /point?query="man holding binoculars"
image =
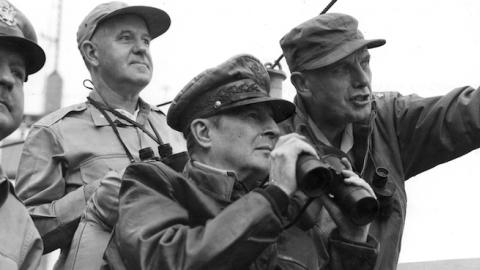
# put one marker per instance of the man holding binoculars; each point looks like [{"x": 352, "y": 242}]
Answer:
[
  {"x": 389, "y": 137},
  {"x": 232, "y": 207}
]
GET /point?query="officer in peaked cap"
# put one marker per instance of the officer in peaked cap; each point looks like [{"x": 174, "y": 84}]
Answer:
[
  {"x": 18, "y": 36},
  {"x": 71, "y": 165},
  {"x": 21, "y": 246},
  {"x": 240, "y": 81},
  {"x": 227, "y": 209}
]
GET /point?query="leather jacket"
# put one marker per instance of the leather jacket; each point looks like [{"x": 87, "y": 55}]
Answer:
[{"x": 205, "y": 219}]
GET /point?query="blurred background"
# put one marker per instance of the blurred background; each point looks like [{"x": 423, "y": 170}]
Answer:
[{"x": 432, "y": 47}]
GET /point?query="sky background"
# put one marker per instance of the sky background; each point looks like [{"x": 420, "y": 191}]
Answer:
[{"x": 432, "y": 47}]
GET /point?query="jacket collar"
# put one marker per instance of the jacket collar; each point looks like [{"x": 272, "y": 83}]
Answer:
[
  {"x": 99, "y": 120},
  {"x": 218, "y": 183},
  {"x": 304, "y": 124},
  {"x": 360, "y": 132}
]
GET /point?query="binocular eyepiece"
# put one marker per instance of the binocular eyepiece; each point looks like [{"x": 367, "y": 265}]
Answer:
[
  {"x": 175, "y": 161},
  {"x": 324, "y": 175}
]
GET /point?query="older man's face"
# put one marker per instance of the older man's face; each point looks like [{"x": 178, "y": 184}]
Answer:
[
  {"x": 123, "y": 52},
  {"x": 243, "y": 140},
  {"x": 341, "y": 92},
  {"x": 12, "y": 76}
]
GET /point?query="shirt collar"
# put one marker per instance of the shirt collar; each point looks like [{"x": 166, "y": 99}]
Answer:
[
  {"x": 128, "y": 114},
  {"x": 140, "y": 115}
]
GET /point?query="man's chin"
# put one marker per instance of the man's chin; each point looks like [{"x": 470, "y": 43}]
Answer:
[
  {"x": 7, "y": 127},
  {"x": 362, "y": 116},
  {"x": 141, "y": 81}
]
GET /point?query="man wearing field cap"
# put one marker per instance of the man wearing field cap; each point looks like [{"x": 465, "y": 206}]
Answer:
[
  {"x": 388, "y": 136},
  {"x": 73, "y": 158},
  {"x": 20, "y": 56},
  {"x": 231, "y": 207}
]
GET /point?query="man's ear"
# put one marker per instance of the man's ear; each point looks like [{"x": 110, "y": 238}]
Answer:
[
  {"x": 200, "y": 129},
  {"x": 299, "y": 80},
  {"x": 89, "y": 52}
]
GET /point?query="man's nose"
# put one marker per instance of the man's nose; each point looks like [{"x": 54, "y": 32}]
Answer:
[
  {"x": 271, "y": 130},
  {"x": 360, "y": 77},
  {"x": 141, "y": 47},
  {"x": 7, "y": 80}
]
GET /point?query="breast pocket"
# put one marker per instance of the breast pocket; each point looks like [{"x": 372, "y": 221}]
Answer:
[{"x": 95, "y": 168}]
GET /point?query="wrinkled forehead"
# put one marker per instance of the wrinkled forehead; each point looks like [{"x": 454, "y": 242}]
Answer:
[{"x": 123, "y": 22}]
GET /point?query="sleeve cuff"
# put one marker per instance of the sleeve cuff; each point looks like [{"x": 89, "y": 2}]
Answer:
[
  {"x": 277, "y": 198},
  {"x": 353, "y": 255}
]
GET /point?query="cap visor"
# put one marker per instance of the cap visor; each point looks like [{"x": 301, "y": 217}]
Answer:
[
  {"x": 34, "y": 54},
  {"x": 156, "y": 19},
  {"x": 282, "y": 109},
  {"x": 343, "y": 51}
]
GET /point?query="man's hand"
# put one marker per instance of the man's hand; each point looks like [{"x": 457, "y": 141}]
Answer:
[
  {"x": 284, "y": 161},
  {"x": 102, "y": 207},
  {"x": 347, "y": 229}
]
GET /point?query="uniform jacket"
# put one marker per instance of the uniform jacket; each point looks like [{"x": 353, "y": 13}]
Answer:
[
  {"x": 21, "y": 247},
  {"x": 67, "y": 153},
  {"x": 206, "y": 219},
  {"x": 406, "y": 135}
]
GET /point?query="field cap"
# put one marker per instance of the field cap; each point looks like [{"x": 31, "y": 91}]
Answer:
[
  {"x": 241, "y": 80},
  {"x": 157, "y": 20},
  {"x": 324, "y": 40},
  {"x": 17, "y": 32}
]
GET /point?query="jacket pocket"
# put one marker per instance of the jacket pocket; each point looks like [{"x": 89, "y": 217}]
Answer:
[{"x": 95, "y": 168}]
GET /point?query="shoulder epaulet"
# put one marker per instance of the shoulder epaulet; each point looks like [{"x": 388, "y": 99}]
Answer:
[{"x": 53, "y": 117}]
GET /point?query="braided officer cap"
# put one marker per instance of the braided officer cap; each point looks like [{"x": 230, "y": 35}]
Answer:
[{"x": 240, "y": 81}]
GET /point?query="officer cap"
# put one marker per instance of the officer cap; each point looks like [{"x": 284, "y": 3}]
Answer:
[
  {"x": 17, "y": 32},
  {"x": 240, "y": 81}
]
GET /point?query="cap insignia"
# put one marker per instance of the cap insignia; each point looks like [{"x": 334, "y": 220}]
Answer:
[{"x": 7, "y": 14}]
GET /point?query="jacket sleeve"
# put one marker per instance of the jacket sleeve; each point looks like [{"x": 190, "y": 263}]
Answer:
[
  {"x": 434, "y": 130},
  {"x": 155, "y": 231},
  {"x": 20, "y": 246},
  {"x": 348, "y": 255},
  {"x": 41, "y": 186},
  {"x": 333, "y": 251}
]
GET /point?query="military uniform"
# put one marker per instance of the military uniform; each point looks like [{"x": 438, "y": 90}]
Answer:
[
  {"x": 21, "y": 247},
  {"x": 67, "y": 153},
  {"x": 73, "y": 159},
  {"x": 404, "y": 135},
  {"x": 207, "y": 218}
]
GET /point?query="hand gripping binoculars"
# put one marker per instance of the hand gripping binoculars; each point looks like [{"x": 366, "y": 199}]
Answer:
[{"x": 324, "y": 174}]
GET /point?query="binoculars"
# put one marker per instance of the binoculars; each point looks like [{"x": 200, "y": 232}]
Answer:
[
  {"x": 316, "y": 176},
  {"x": 175, "y": 161}
]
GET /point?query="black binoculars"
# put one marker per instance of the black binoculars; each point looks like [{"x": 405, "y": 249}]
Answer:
[
  {"x": 175, "y": 161},
  {"x": 325, "y": 175}
]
